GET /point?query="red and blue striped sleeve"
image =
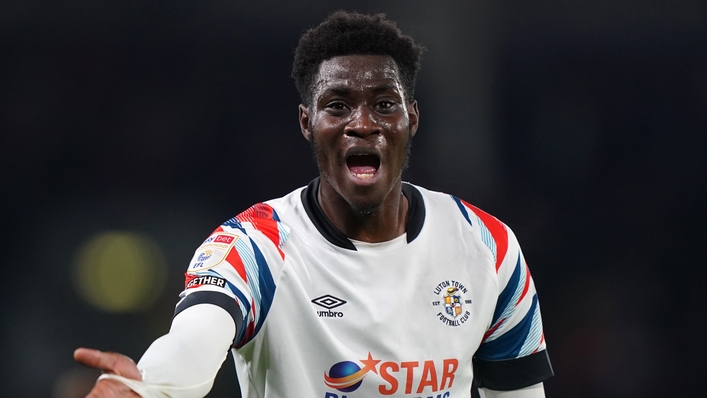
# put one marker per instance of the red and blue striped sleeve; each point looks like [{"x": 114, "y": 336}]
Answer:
[
  {"x": 236, "y": 268},
  {"x": 513, "y": 352}
]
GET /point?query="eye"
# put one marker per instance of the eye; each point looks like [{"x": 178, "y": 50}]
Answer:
[
  {"x": 340, "y": 106},
  {"x": 385, "y": 105},
  {"x": 336, "y": 108}
]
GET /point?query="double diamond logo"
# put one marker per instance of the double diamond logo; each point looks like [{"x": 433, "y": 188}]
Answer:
[{"x": 328, "y": 301}]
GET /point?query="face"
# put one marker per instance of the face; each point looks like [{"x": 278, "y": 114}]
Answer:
[{"x": 360, "y": 124}]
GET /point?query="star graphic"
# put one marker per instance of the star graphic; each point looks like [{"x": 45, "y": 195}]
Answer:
[{"x": 369, "y": 364}]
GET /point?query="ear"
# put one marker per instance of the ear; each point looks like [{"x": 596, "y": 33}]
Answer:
[
  {"x": 413, "y": 117},
  {"x": 304, "y": 119}
]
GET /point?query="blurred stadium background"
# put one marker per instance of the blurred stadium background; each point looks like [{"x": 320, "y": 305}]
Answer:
[{"x": 131, "y": 129}]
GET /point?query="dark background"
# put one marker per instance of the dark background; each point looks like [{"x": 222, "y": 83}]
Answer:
[{"x": 582, "y": 126}]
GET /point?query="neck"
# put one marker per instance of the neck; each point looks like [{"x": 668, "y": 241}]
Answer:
[{"x": 385, "y": 222}]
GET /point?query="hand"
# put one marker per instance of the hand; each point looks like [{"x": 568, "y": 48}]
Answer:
[{"x": 109, "y": 362}]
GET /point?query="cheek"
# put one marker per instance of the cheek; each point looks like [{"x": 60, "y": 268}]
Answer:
[
  {"x": 400, "y": 126},
  {"x": 325, "y": 146},
  {"x": 325, "y": 143},
  {"x": 400, "y": 134},
  {"x": 325, "y": 128}
]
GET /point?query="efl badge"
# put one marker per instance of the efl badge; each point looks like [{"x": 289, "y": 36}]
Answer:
[{"x": 212, "y": 252}]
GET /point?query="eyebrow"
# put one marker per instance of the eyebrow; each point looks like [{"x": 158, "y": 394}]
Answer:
[
  {"x": 337, "y": 90},
  {"x": 385, "y": 87},
  {"x": 345, "y": 90}
]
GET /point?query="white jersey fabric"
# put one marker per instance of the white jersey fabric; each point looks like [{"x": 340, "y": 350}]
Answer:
[{"x": 319, "y": 315}]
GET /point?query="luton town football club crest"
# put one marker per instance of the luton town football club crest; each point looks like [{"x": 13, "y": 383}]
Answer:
[
  {"x": 452, "y": 302},
  {"x": 450, "y": 294}
]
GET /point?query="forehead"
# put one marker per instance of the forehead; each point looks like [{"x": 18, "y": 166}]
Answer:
[{"x": 357, "y": 72}]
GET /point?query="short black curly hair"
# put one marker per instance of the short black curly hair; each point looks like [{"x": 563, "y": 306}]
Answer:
[{"x": 348, "y": 33}]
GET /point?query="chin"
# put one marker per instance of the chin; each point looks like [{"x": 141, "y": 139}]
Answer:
[
  {"x": 365, "y": 200},
  {"x": 364, "y": 209}
]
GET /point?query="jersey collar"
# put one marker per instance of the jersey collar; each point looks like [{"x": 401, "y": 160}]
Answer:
[{"x": 415, "y": 218}]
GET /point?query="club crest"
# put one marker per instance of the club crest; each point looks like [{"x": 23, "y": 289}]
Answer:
[{"x": 451, "y": 302}]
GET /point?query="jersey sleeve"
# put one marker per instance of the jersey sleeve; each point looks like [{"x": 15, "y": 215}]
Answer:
[
  {"x": 236, "y": 267},
  {"x": 513, "y": 353}
]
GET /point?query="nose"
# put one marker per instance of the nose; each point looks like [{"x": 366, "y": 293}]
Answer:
[{"x": 363, "y": 123}]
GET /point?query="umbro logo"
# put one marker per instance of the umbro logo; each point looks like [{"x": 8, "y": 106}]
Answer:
[{"x": 329, "y": 302}]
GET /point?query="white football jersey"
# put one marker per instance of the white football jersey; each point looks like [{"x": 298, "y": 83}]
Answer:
[{"x": 320, "y": 315}]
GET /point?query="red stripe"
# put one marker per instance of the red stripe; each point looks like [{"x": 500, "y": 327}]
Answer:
[
  {"x": 234, "y": 259},
  {"x": 261, "y": 217},
  {"x": 498, "y": 232},
  {"x": 493, "y": 329},
  {"x": 250, "y": 329},
  {"x": 259, "y": 210},
  {"x": 269, "y": 229},
  {"x": 542, "y": 338},
  {"x": 189, "y": 278}
]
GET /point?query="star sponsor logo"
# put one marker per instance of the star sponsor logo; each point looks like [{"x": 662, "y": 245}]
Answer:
[
  {"x": 451, "y": 302},
  {"x": 329, "y": 302},
  {"x": 411, "y": 378}
]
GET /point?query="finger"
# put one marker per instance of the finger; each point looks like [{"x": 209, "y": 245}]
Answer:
[
  {"x": 110, "y": 362},
  {"x": 86, "y": 356},
  {"x": 95, "y": 358}
]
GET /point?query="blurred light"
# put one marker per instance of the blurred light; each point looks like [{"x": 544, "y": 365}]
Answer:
[{"x": 119, "y": 271}]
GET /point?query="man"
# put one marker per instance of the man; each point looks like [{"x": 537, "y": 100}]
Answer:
[{"x": 357, "y": 285}]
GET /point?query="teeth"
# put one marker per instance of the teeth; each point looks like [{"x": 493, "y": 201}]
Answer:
[{"x": 365, "y": 176}]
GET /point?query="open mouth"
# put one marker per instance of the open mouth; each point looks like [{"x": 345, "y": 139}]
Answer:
[{"x": 363, "y": 165}]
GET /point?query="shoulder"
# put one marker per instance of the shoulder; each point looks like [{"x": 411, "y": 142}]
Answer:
[
  {"x": 255, "y": 232},
  {"x": 440, "y": 201},
  {"x": 474, "y": 222},
  {"x": 267, "y": 222}
]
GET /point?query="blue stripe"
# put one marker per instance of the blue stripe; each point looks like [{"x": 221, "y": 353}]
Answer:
[
  {"x": 266, "y": 284},
  {"x": 462, "y": 208},
  {"x": 234, "y": 223},
  {"x": 245, "y": 250},
  {"x": 508, "y": 345},
  {"x": 508, "y": 292},
  {"x": 535, "y": 334},
  {"x": 282, "y": 233},
  {"x": 230, "y": 285},
  {"x": 275, "y": 216},
  {"x": 240, "y": 334},
  {"x": 211, "y": 272}
]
